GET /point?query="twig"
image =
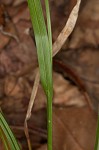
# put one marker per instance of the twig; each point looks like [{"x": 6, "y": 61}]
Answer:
[
  {"x": 9, "y": 34},
  {"x": 28, "y": 115},
  {"x": 34, "y": 92}
]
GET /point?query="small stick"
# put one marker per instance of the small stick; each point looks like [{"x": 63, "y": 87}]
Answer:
[
  {"x": 34, "y": 92},
  {"x": 28, "y": 115},
  {"x": 9, "y": 34}
]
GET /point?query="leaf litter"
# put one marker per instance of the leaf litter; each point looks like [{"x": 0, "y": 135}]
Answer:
[{"x": 72, "y": 120}]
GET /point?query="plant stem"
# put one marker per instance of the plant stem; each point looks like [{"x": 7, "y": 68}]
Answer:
[
  {"x": 49, "y": 122},
  {"x": 97, "y": 135}
]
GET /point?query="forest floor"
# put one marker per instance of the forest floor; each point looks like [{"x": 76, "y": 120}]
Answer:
[{"x": 75, "y": 76}]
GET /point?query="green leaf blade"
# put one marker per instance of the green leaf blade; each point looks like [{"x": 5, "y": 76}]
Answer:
[
  {"x": 43, "y": 40},
  {"x": 97, "y": 136},
  {"x": 42, "y": 43},
  {"x": 8, "y": 134}
]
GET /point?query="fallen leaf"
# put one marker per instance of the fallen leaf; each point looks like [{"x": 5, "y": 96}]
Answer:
[
  {"x": 6, "y": 2},
  {"x": 22, "y": 13},
  {"x": 86, "y": 63},
  {"x": 73, "y": 129},
  {"x": 87, "y": 25},
  {"x": 65, "y": 93},
  {"x": 18, "y": 2}
]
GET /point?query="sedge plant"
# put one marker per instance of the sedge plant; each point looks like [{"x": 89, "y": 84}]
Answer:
[
  {"x": 97, "y": 136},
  {"x": 6, "y": 135},
  {"x": 43, "y": 38}
]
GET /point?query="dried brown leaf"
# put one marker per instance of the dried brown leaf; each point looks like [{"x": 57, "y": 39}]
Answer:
[
  {"x": 86, "y": 63},
  {"x": 73, "y": 129},
  {"x": 65, "y": 93},
  {"x": 18, "y": 2},
  {"x": 87, "y": 25},
  {"x": 67, "y": 30}
]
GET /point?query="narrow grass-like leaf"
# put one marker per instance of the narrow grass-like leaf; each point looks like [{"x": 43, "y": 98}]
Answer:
[
  {"x": 43, "y": 40},
  {"x": 97, "y": 136},
  {"x": 4, "y": 140},
  {"x": 6, "y": 132},
  {"x": 42, "y": 43},
  {"x": 49, "y": 103},
  {"x": 48, "y": 24}
]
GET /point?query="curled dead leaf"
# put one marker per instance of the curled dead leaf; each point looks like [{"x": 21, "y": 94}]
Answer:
[
  {"x": 65, "y": 93},
  {"x": 16, "y": 87}
]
